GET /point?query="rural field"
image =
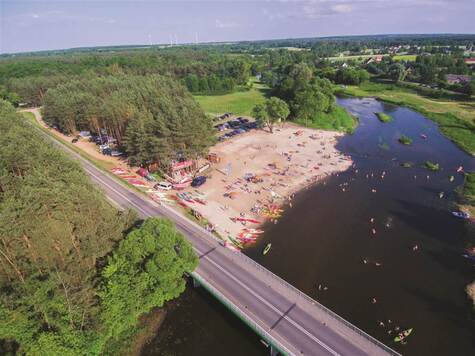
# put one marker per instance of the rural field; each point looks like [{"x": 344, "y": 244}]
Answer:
[
  {"x": 349, "y": 58},
  {"x": 239, "y": 102},
  {"x": 405, "y": 57}
]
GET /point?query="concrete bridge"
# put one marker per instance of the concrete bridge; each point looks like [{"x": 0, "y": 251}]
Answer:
[{"x": 288, "y": 320}]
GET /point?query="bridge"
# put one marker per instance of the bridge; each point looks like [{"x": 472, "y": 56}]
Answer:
[{"x": 288, "y": 320}]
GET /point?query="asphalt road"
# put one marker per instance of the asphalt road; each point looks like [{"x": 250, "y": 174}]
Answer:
[{"x": 294, "y": 322}]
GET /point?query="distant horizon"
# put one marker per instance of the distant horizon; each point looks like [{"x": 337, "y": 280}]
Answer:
[
  {"x": 41, "y": 25},
  {"x": 145, "y": 45}
]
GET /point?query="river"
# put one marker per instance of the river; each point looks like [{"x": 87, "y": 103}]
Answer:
[{"x": 328, "y": 234}]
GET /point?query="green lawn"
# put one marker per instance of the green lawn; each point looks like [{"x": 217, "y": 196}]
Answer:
[
  {"x": 349, "y": 58},
  {"x": 29, "y": 116},
  {"x": 405, "y": 57},
  {"x": 338, "y": 119},
  {"x": 238, "y": 103},
  {"x": 468, "y": 193},
  {"x": 456, "y": 118}
]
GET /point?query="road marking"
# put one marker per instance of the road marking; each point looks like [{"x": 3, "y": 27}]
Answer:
[
  {"x": 260, "y": 298},
  {"x": 264, "y": 301}
]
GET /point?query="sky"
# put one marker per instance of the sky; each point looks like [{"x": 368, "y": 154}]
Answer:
[{"x": 42, "y": 25}]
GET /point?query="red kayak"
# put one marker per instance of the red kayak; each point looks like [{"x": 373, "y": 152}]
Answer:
[{"x": 254, "y": 221}]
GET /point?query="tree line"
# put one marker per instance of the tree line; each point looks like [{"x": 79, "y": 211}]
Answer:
[
  {"x": 308, "y": 95},
  {"x": 30, "y": 77},
  {"x": 153, "y": 118},
  {"x": 75, "y": 274}
]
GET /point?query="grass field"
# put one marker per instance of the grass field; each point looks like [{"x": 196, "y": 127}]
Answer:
[
  {"x": 406, "y": 57},
  {"x": 456, "y": 118},
  {"x": 238, "y": 103},
  {"x": 339, "y": 120},
  {"x": 468, "y": 194},
  {"x": 348, "y": 58}
]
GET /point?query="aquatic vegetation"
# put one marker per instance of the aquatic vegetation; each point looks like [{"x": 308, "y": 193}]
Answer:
[
  {"x": 432, "y": 166},
  {"x": 407, "y": 164},
  {"x": 455, "y": 117},
  {"x": 383, "y": 117},
  {"x": 384, "y": 146},
  {"x": 405, "y": 140}
]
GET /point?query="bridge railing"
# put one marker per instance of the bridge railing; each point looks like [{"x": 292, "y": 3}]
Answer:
[
  {"x": 303, "y": 295},
  {"x": 241, "y": 314}
]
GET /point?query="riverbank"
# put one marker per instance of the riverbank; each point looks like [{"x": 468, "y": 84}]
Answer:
[
  {"x": 338, "y": 119},
  {"x": 455, "y": 118},
  {"x": 259, "y": 171},
  {"x": 468, "y": 194}
]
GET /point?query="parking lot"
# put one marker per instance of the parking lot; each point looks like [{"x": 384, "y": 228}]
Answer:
[{"x": 233, "y": 127}]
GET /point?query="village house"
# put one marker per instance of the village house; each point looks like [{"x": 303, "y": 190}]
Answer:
[
  {"x": 378, "y": 59},
  {"x": 469, "y": 61},
  {"x": 458, "y": 79}
]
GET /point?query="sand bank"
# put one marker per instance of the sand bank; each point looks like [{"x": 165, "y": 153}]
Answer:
[{"x": 277, "y": 164}]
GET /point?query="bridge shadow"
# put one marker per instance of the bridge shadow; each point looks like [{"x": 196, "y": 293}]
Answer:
[
  {"x": 283, "y": 316},
  {"x": 206, "y": 253}
]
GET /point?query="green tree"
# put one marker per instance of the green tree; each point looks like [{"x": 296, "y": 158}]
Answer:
[
  {"x": 192, "y": 83},
  {"x": 309, "y": 103},
  {"x": 144, "y": 272},
  {"x": 55, "y": 228},
  {"x": 397, "y": 72},
  {"x": 469, "y": 88},
  {"x": 260, "y": 114},
  {"x": 277, "y": 111}
]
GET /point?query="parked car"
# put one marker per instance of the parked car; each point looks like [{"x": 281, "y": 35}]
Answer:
[
  {"x": 163, "y": 185},
  {"x": 74, "y": 140},
  {"x": 107, "y": 151},
  {"x": 115, "y": 153},
  {"x": 200, "y": 180},
  {"x": 234, "y": 124}
]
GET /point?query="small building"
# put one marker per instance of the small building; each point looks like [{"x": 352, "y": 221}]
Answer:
[
  {"x": 377, "y": 59},
  {"x": 469, "y": 61},
  {"x": 458, "y": 79},
  {"x": 213, "y": 158}
]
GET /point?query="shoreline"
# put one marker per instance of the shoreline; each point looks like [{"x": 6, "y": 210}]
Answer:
[
  {"x": 253, "y": 183},
  {"x": 428, "y": 114}
]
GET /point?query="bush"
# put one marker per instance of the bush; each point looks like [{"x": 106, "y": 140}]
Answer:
[
  {"x": 432, "y": 166},
  {"x": 405, "y": 140},
  {"x": 383, "y": 117}
]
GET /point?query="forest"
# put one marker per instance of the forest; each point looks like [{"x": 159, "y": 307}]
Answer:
[
  {"x": 75, "y": 274},
  {"x": 153, "y": 118}
]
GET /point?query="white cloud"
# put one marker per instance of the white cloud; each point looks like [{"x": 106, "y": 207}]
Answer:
[
  {"x": 342, "y": 8},
  {"x": 225, "y": 24}
]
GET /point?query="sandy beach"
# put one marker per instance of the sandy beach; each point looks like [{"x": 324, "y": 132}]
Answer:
[{"x": 277, "y": 164}]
